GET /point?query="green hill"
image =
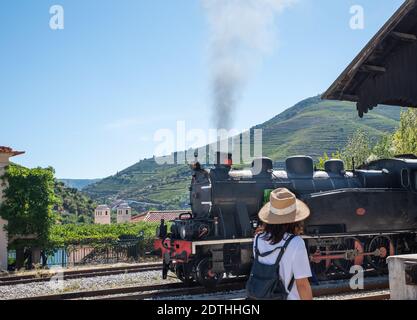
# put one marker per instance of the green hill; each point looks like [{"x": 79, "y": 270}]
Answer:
[
  {"x": 314, "y": 126},
  {"x": 311, "y": 127},
  {"x": 78, "y": 184}
]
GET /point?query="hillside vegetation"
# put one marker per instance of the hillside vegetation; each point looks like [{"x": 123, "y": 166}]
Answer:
[
  {"x": 312, "y": 127},
  {"x": 72, "y": 205}
]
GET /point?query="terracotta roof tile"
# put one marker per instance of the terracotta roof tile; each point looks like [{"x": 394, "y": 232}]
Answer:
[{"x": 8, "y": 150}]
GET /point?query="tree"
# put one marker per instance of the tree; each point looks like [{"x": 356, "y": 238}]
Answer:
[
  {"x": 384, "y": 148},
  {"x": 322, "y": 160},
  {"x": 358, "y": 149},
  {"x": 405, "y": 138},
  {"x": 29, "y": 199}
]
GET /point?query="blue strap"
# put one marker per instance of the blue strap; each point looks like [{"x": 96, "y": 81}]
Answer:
[
  {"x": 265, "y": 254},
  {"x": 284, "y": 248}
]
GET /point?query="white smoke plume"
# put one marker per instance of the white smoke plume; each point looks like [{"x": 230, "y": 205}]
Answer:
[{"x": 242, "y": 32}]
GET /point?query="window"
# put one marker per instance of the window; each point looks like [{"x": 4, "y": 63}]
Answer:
[{"x": 127, "y": 211}]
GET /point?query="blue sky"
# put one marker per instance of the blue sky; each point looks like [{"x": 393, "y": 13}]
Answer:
[{"x": 88, "y": 99}]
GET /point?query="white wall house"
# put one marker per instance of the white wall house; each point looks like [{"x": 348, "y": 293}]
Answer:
[
  {"x": 5, "y": 155},
  {"x": 124, "y": 213},
  {"x": 102, "y": 215}
]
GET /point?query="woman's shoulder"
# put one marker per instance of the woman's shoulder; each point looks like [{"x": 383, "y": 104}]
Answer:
[
  {"x": 297, "y": 241},
  {"x": 261, "y": 235}
]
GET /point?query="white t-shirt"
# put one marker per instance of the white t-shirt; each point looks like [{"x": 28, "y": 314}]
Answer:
[{"x": 294, "y": 262}]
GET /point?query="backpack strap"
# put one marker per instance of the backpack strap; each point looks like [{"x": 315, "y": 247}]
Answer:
[
  {"x": 256, "y": 247},
  {"x": 265, "y": 254},
  {"x": 284, "y": 248},
  {"x": 291, "y": 284}
]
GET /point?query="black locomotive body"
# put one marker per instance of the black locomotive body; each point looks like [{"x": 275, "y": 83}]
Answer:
[{"x": 357, "y": 217}]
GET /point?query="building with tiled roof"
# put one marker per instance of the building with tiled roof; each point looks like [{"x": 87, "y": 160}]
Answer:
[
  {"x": 5, "y": 154},
  {"x": 157, "y": 216}
]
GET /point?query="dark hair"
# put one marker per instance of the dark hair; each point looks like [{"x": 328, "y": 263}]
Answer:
[{"x": 274, "y": 233}]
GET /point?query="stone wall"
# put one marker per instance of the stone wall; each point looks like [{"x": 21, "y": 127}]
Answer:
[{"x": 124, "y": 215}]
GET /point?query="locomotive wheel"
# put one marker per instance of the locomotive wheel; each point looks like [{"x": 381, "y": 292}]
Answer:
[
  {"x": 350, "y": 244},
  {"x": 184, "y": 276},
  {"x": 383, "y": 247},
  {"x": 205, "y": 276},
  {"x": 321, "y": 268}
]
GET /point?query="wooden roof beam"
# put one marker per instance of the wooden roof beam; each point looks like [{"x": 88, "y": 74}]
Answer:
[
  {"x": 404, "y": 36},
  {"x": 372, "y": 69},
  {"x": 350, "y": 97}
]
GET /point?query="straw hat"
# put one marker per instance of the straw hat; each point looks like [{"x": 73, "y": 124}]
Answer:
[{"x": 283, "y": 208}]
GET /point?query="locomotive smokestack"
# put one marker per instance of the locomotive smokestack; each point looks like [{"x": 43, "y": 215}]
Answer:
[{"x": 224, "y": 159}]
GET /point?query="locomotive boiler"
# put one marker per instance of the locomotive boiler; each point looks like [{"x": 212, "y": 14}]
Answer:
[{"x": 358, "y": 217}]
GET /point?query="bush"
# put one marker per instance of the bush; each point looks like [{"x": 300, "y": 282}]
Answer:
[{"x": 72, "y": 234}]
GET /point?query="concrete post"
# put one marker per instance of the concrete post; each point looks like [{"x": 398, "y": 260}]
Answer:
[
  {"x": 402, "y": 277},
  {"x": 5, "y": 155}
]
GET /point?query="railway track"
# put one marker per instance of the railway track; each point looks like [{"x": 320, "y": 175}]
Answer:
[
  {"x": 141, "y": 292},
  {"x": 76, "y": 274},
  {"x": 177, "y": 289}
]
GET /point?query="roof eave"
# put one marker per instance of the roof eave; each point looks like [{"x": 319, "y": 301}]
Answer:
[{"x": 338, "y": 88}]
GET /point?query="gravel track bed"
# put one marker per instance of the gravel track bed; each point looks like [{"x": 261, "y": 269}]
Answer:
[
  {"x": 82, "y": 284},
  {"x": 241, "y": 295},
  {"x": 347, "y": 296},
  {"x": 231, "y": 295}
]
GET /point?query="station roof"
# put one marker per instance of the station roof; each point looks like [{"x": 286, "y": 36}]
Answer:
[
  {"x": 372, "y": 78},
  {"x": 10, "y": 151}
]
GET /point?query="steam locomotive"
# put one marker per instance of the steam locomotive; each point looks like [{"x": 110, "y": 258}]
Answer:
[{"x": 358, "y": 217}]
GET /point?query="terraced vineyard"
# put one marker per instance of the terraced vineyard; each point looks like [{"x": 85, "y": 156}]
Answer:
[{"x": 311, "y": 127}]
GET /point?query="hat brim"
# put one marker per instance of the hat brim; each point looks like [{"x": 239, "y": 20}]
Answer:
[{"x": 302, "y": 213}]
